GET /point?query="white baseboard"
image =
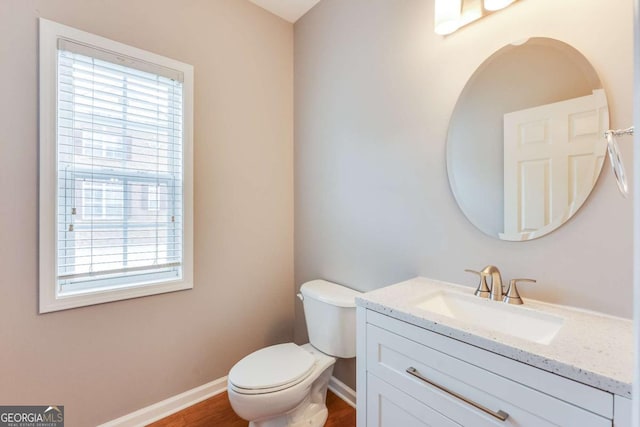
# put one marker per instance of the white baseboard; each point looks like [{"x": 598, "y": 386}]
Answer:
[
  {"x": 157, "y": 411},
  {"x": 343, "y": 391}
]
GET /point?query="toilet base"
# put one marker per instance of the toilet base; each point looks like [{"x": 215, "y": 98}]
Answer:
[
  {"x": 316, "y": 420},
  {"x": 311, "y": 412}
]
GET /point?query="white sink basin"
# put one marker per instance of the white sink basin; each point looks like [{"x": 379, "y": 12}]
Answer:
[{"x": 497, "y": 316}]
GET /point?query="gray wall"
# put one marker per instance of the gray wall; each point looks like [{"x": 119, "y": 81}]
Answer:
[
  {"x": 374, "y": 91},
  {"x": 104, "y": 361}
]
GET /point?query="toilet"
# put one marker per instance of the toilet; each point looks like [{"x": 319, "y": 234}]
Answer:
[{"x": 285, "y": 385}]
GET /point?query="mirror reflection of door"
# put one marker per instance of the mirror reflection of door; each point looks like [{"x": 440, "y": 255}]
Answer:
[
  {"x": 539, "y": 78},
  {"x": 552, "y": 157}
]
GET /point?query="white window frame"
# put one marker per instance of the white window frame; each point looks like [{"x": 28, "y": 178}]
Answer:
[{"x": 51, "y": 299}]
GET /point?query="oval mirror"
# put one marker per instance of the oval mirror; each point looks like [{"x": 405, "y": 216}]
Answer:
[{"x": 525, "y": 144}]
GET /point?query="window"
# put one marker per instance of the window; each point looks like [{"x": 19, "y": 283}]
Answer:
[{"x": 115, "y": 170}]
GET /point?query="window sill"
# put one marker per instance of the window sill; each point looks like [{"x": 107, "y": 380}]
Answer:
[{"x": 68, "y": 301}]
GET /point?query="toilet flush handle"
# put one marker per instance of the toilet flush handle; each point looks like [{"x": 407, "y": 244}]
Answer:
[{"x": 299, "y": 295}]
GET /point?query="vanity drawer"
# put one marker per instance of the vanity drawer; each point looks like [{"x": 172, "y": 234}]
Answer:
[{"x": 390, "y": 357}]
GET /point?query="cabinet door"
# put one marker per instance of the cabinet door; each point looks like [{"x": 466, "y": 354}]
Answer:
[
  {"x": 389, "y": 407},
  {"x": 622, "y": 412}
]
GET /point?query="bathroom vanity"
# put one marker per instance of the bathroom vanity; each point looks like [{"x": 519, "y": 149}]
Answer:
[{"x": 431, "y": 353}]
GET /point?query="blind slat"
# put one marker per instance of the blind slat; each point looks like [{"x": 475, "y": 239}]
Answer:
[
  {"x": 120, "y": 270},
  {"x": 99, "y": 148},
  {"x": 81, "y": 110},
  {"x": 114, "y": 58},
  {"x": 69, "y": 92},
  {"x": 130, "y": 134},
  {"x": 101, "y": 70},
  {"x": 136, "y": 167},
  {"x": 78, "y": 82},
  {"x": 88, "y": 119},
  {"x": 162, "y": 95},
  {"x": 129, "y": 245},
  {"x": 82, "y": 171}
]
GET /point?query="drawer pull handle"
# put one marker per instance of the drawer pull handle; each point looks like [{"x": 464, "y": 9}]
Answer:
[{"x": 501, "y": 415}]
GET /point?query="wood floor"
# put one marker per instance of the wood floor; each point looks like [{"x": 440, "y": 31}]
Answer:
[{"x": 217, "y": 411}]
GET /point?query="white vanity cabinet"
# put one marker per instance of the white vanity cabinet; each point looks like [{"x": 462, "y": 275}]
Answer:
[{"x": 410, "y": 376}]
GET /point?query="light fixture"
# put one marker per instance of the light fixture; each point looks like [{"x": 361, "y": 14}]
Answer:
[
  {"x": 450, "y": 15},
  {"x": 447, "y": 16},
  {"x": 496, "y": 4},
  {"x": 471, "y": 11}
]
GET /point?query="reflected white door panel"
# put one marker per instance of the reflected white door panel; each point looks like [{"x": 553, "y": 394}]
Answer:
[{"x": 552, "y": 157}]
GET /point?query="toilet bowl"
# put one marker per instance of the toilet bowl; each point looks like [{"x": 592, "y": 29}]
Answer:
[
  {"x": 291, "y": 396},
  {"x": 285, "y": 385}
]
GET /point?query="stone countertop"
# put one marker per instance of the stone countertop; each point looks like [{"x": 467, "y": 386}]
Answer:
[{"x": 591, "y": 348}]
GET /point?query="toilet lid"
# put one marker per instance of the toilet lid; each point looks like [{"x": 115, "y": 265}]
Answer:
[{"x": 271, "y": 367}]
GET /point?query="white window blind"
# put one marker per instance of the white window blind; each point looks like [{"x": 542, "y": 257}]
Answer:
[{"x": 119, "y": 170}]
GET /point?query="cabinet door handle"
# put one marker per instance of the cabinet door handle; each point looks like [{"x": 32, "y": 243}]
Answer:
[{"x": 501, "y": 415}]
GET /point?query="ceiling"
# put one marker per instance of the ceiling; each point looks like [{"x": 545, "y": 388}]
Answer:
[{"x": 290, "y": 10}]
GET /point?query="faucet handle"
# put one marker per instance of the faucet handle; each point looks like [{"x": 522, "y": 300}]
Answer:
[
  {"x": 482, "y": 290},
  {"x": 512, "y": 296}
]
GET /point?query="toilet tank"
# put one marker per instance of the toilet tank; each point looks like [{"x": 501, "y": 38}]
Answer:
[{"x": 330, "y": 313}]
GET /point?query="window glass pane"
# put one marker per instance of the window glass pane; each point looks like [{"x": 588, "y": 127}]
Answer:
[
  {"x": 119, "y": 174},
  {"x": 153, "y": 202}
]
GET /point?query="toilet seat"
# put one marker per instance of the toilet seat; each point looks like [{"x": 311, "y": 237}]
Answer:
[{"x": 271, "y": 369}]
